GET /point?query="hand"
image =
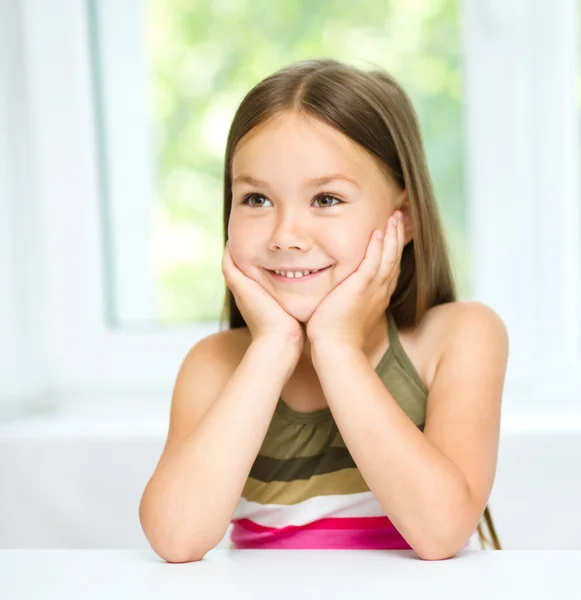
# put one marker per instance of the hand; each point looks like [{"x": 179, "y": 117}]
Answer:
[
  {"x": 351, "y": 309},
  {"x": 264, "y": 316}
]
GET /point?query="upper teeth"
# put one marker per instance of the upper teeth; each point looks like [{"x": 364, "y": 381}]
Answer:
[{"x": 292, "y": 274}]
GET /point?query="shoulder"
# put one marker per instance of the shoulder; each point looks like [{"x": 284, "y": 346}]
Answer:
[
  {"x": 468, "y": 327},
  {"x": 459, "y": 326},
  {"x": 473, "y": 317},
  {"x": 452, "y": 313}
]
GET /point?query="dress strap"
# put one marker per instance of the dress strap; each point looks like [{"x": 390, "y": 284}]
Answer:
[
  {"x": 393, "y": 335},
  {"x": 400, "y": 354}
]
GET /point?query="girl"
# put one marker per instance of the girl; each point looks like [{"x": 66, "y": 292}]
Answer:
[{"x": 352, "y": 402}]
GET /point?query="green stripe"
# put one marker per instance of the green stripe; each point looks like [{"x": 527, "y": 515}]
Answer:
[
  {"x": 348, "y": 481},
  {"x": 332, "y": 459},
  {"x": 268, "y": 469}
]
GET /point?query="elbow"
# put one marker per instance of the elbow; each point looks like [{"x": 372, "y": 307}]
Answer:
[
  {"x": 173, "y": 552},
  {"x": 181, "y": 556},
  {"x": 169, "y": 547},
  {"x": 181, "y": 547},
  {"x": 449, "y": 535},
  {"x": 434, "y": 554},
  {"x": 173, "y": 540},
  {"x": 178, "y": 552},
  {"x": 444, "y": 548}
]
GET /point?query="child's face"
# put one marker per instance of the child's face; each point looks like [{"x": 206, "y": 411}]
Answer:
[{"x": 291, "y": 223}]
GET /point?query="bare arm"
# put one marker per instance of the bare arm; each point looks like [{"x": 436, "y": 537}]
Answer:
[
  {"x": 433, "y": 485},
  {"x": 189, "y": 501}
]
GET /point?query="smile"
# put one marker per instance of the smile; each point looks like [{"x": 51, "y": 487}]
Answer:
[{"x": 297, "y": 278}]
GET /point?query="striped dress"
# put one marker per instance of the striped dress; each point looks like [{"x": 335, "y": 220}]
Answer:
[{"x": 304, "y": 489}]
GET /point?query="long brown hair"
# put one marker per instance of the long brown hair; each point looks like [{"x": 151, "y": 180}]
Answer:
[{"x": 373, "y": 110}]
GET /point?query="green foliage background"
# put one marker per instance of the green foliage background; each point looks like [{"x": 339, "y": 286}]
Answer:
[{"x": 205, "y": 56}]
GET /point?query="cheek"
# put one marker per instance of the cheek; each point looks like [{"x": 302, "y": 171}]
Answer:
[
  {"x": 349, "y": 246},
  {"x": 245, "y": 235},
  {"x": 241, "y": 253}
]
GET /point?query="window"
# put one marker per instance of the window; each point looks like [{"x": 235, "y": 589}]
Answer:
[
  {"x": 110, "y": 175},
  {"x": 168, "y": 78}
]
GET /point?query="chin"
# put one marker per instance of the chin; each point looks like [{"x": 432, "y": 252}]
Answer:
[{"x": 301, "y": 311}]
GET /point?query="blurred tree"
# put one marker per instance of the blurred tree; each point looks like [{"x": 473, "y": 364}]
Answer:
[{"x": 205, "y": 57}]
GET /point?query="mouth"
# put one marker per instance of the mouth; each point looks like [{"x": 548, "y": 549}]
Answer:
[{"x": 295, "y": 279}]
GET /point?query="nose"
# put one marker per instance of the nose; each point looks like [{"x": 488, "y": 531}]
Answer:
[{"x": 289, "y": 233}]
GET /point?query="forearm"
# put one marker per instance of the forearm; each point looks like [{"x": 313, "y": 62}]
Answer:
[
  {"x": 189, "y": 501},
  {"x": 421, "y": 491}
]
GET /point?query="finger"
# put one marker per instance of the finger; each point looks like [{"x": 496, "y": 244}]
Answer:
[
  {"x": 396, "y": 263},
  {"x": 390, "y": 249},
  {"x": 229, "y": 268},
  {"x": 228, "y": 255},
  {"x": 402, "y": 237},
  {"x": 372, "y": 261},
  {"x": 226, "y": 258},
  {"x": 401, "y": 234}
]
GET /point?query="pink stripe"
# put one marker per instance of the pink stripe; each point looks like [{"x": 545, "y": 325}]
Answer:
[
  {"x": 331, "y": 523},
  {"x": 373, "y": 533}
]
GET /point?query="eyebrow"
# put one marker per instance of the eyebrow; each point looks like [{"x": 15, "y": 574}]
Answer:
[{"x": 317, "y": 181}]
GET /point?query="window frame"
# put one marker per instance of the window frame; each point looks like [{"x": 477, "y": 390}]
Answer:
[{"x": 527, "y": 51}]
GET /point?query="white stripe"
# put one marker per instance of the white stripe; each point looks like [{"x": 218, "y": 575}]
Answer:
[{"x": 363, "y": 504}]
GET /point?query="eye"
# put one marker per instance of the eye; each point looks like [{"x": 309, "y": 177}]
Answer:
[
  {"x": 328, "y": 196},
  {"x": 249, "y": 198}
]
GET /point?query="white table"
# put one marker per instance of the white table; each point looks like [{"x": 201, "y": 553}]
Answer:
[{"x": 288, "y": 574}]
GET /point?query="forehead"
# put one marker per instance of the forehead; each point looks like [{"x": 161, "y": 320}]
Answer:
[{"x": 291, "y": 141}]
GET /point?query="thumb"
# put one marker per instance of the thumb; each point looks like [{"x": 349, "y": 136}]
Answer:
[{"x": 229, "y": 268}]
